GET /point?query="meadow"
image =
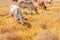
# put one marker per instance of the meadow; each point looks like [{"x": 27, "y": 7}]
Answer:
[{"x": 36, "y": 23}]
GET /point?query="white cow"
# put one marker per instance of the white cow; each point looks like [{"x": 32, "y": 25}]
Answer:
[{"x": 16, "y": 12}]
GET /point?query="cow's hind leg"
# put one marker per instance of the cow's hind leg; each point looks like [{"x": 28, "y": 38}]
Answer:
[
  {"x": 36, "y": 10},
  {"x": 30, "y": 10},
  {"x": 20, "y": 16}
]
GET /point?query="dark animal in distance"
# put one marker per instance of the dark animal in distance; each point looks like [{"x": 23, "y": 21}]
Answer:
[
  {"x": 41, "y": 4},
  {"x": 15, "y": 0},
  {"x": 35, "y": 0}
]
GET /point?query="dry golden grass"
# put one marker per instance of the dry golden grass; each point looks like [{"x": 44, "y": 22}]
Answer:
[
  {"x": 46, "y": 35},
  {"x": 35, "y": 25}
]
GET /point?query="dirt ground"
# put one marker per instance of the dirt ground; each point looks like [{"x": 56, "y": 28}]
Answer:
[{"x": 11, "y": 30}]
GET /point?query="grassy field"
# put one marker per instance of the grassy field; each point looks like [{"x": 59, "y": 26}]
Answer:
[{"x": 10, "y": 30}]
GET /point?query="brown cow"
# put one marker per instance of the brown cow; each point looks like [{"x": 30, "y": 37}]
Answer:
[
  {"x": 41, "y": 4},
  {"x": 28, "y": 5}
]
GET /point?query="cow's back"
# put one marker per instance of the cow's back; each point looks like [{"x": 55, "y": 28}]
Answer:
[{"x": 25, "y": 4}]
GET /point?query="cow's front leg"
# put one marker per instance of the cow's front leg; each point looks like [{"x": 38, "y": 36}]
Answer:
[
  {"x": 15, "y": 16},
  {"x": 44, "y": 7}
]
